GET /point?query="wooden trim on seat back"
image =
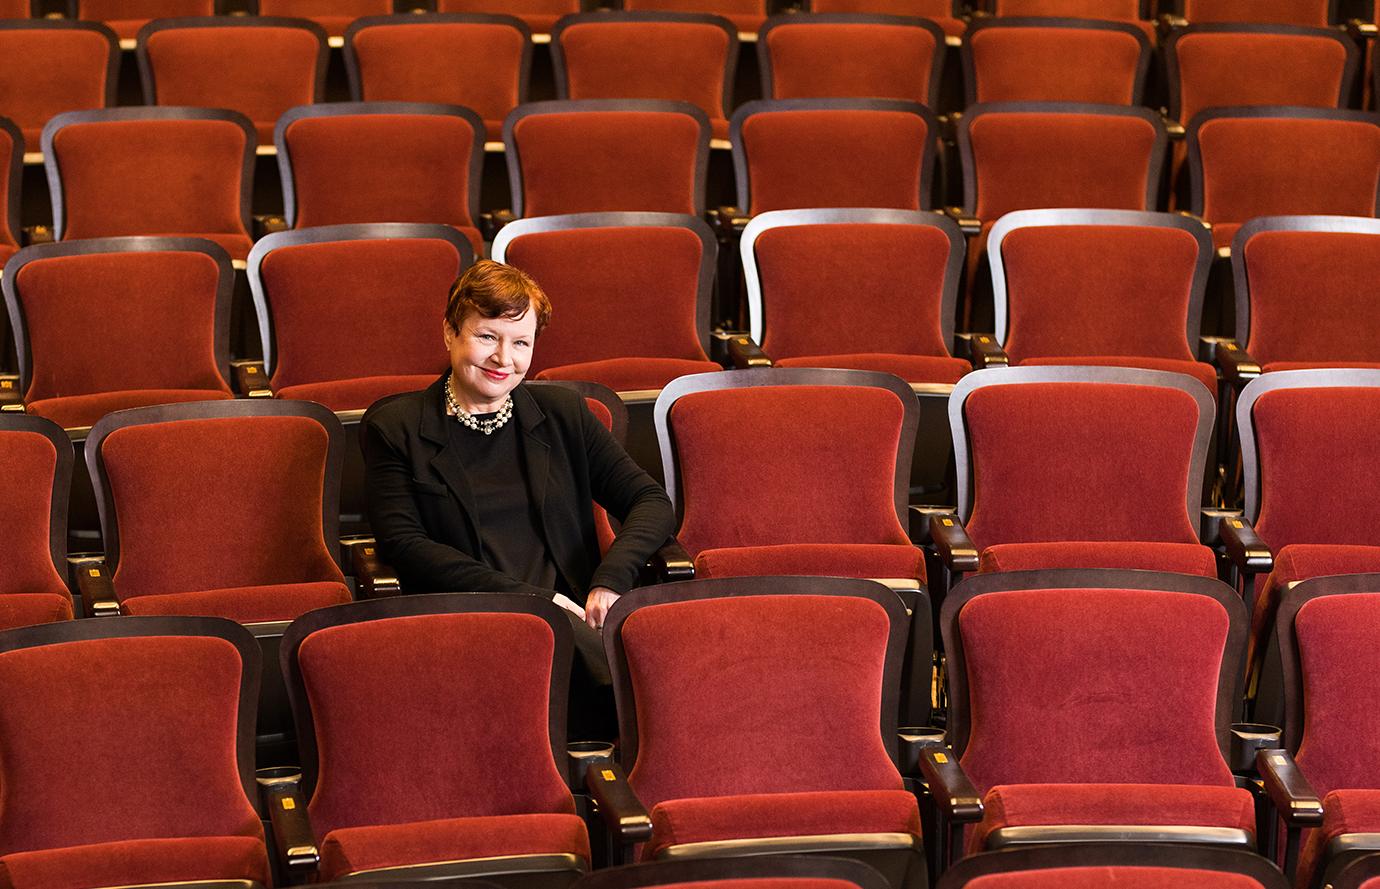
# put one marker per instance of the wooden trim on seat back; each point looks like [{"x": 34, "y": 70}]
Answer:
[{"x": 1178, "y": 856}]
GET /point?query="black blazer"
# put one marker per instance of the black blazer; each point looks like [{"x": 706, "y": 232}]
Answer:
[{"x": 422, "y": 508}]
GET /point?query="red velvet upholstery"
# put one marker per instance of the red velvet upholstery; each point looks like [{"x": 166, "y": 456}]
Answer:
[
  {"x": 352, "y": 849},
  {"x": 333, "y": 15},
  {"x": 1251, "y": 167},
  {"x": 159, "y": 306},
  {"x": 746, "y": 15},
  {"x": 1038, "y": 64},
  {"x": 539, "y": 15},
  {"x": 351, "y": 167},
  {"x": 851, "y": 60},
  {"x": 1081, "y": 461},
  {"x": 1178, "y": 558},
  {"x": 743, "y": 452},
  {"x": 248, "y": 604},
  {"x": 1029, "y": 805},
  {"x": 813, "y": 275},
  {"x": 260, "y": 475},
  {"x": 601, "y": 518},
  {"x": 258, "y": 71},
  {"x": 821, "y": 559},
  {"x": 398, "y": 62},
  {"x": 1277, "y": 12},
  {"x": 941, "y": 12},
  {"x": 1115, "y": 10},
  {"x": 1222, "y": 69},
  {"x": 50, "y": 70},
  {"x": 157, "y": 719},
  {"x": 126, "y": 17},
  {"x": 683, "y": 61},
  {"x": 1310, "y": 298},
  {"x": 1344, "y": 811},
  {"x": 1200, "y": 370},
  {"x": 381, "y": 297},
  {"x": 14, "y": 9},
  {"x": 713, "y": 723},
  {"x": 153, "y": 177},
  {"x": 591, "y": 161},
  {"x": 679, "y": 821},
  {"x": 795, "y": 158},
  {"x": 1302, "y": 561},
  {"x": 26, "y": 501},
  {"x": 1121, "y": 877},
  {"x": 763, "y": 883},
  {"x": 27, "y": 609},
  {"x": 604, "y": 284}
]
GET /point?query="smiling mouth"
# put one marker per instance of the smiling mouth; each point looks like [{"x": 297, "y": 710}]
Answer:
[{"x": 496, "y": 376}]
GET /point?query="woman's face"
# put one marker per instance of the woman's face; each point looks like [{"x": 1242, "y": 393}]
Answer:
[{"x": 489, "y": 357}]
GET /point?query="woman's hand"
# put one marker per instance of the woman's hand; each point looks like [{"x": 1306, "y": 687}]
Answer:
[{"x": 597, "y": 605}]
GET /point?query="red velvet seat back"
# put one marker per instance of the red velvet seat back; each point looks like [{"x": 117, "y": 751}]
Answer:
[
  {"x": 260, "y": 71},
  {"x": 1093, "y": 673},
  {"x": 758, "y": 694},
  {"x": 48, "y": 69},
  {"x": 380, "y": 167},
  {"x": 1119, "y": 876},
  {"x": 217, "y": 503},
  {"x": 1316, "y": 460},
  {"x": 742, "y": 455},
  {"x": 26, "y": 502},
  {"x": 348, "y": 309},
  {"x": 159, "y": 306},
  {"x": 1034, "y": 63},
  {"x": 1217, "y": 69},
  {"x": 9, "y": 188},
  {"x": 1028, "y": 159},
  {"x": 157, "y": 719},
  {"x": 1278, "y": 12},
  {"x": 834, "y": 157},
  {"x": 333, "y": 15},
  {"x": 616, "y": 292},
  {"x": 374, "y": 688},
  {"x": 398, "y": 61},
  {"x": 811, "y": 59},
  {"x": 1081, "y": 461},
  {"x": 539, "y": 15},
  {"x": 1098, "y": 290},
  {"x": 1312, "y": 296},
  {"x": 931, "y": 9},
  {"x": 1115, "y": 10},
  {"x": 813, "y": 275},
  {"x": 14, "y": 9},
  {"x": 746, "y": 15}
]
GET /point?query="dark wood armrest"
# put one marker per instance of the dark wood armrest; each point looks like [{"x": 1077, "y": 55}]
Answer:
[
  {"x": 292, "y": 835},
  {"x": 374, "y": 577},
  {"x": 1235, "y": 362},
  {"x": 1362, "y": 30},
  {"x": 36, "y": 234},
  {"x": 1246, "y": 550},
  {"x": 10, "y": 393},
  {"x": 968, "y": 224},
  {"x": 985, "y": 351},
  {"x": 268, "y": 224},
  {"x": 1292, "y": 796},
  {"x": 1168, "y": 23},
  {"x": 490, "y": 223},
  {"x": 251, "y": 381},
  {"x": 953, "y": 792},
  {"x": 745, "y": 353},
  {"x": 622, "y": 811},
  {"x": 952, "y": 542},
  {"x": 1172, "y": 128},
  {"x": 97, "y": 590},
  {"x": 729, "y": 220},
  {"x": 670, "y": 563}
]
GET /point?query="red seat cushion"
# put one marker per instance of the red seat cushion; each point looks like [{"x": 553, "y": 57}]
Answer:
[
  {"x": 1201, "y": 371},
  {"x": 820, "y": 559},
  {"x": 130, "y": 862},
  {"x": 911, "y": 368},
  {"x": 1120, "y": 877},
  {"x": 253, "y": 604},
  {"x": 708, "y": 819},
  {"x": 351, "y": 849},
  {"x": 1273, "y": 366},
  {"x": 74, "y": 411},
  {"x": 26, "y": 609},
  {"x": 1179, "y": 558},
  {"x": 1196, "y": 805},
  {"x": 628, "y": 374},
  {"x": 1302, "y": 561},
  {"x": 354, "y": 395},
  {"x": 1344, "y": 811}
]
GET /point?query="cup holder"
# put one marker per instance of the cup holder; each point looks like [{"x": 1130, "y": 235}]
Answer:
[
  {"x": 587, "y": 754},
  {"x": 913, "y": 739},
  {"x": 278, "y": 775},
  {"x": 1249, "y": 737}
]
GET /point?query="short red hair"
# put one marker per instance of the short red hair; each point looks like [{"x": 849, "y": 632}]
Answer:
[{"x": 494, "y": 290}]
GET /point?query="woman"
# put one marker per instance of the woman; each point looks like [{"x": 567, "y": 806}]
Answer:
[{"x": 481, "y": 484}]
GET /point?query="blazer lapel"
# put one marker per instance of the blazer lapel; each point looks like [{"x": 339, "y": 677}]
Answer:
[
  {"x": 447, "y": 463},
  {"x": 536, "y": 449}
]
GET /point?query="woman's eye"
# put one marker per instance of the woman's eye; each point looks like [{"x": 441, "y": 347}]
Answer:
[{"x": 487, "y": 337}]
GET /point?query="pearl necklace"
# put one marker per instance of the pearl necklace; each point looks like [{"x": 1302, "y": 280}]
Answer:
[{"x": 467, "y": 419}]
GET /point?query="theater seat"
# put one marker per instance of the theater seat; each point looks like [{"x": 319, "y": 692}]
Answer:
[
  {"x": 1124, "y": 865},
  {"x": 539, "y": 15},
  {"x": 332, "y": 15},
  {"x": 944, "y": 13},
  {"x": 48, "y": 66},
  {"x": 851, "y": 55},
  {"x": 37, "y": 456},
  {"x": 126, "y": 17},
  {"x": 746, "y": 15},
  {"x": 1312, "y": 13},
  {"x": 168, "y": 862},
  {"x": 1044, "y": 59}
]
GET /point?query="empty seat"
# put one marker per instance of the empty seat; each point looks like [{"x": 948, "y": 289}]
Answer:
[
  {"x": 12, "y": 158},
  {"x": 629, "y": 295},
  {"x": 1271, "y": 161},
  {"x": 597, "y": 155},
  {"x": 806, "y": 270},
  {"x": 126, "y": 17},
  {"x": 746, "y": 15},
  {"x": 347, "y": 313},
  {"x": 944, "y": 13},
  {"x": 1312, "y": 13},
  {"x": 163, "y": 710},
  {"x": 479, "y": 61},
  {"x": 1055, "y": 60},
  {"x": 1125, "y": 865},
  {"x": 648, "y": 55},
  {"x": 333, "y": 15},
  {"x": 37, "y": 456},
  {"x": 356, "y": 162},
  {"x": 48, "y": 66},
  {"x": 1101, "y": 287},
  {"x": 259, "y": 67},
  {"x": 159, "y": 313},
  {"x": 850, "y": 55},
  {"x": 366, "y": 681},
  {"x": 152, "y": 171},
  {"x": 540, "y": 15},
  {"x": 220, "y": 509}
]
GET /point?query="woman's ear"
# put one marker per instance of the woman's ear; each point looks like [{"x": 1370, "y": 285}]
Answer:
[{"x": 448, "y": 333}]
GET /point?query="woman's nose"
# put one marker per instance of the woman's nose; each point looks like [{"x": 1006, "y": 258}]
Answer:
[{"x": 500, "y": 355}]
